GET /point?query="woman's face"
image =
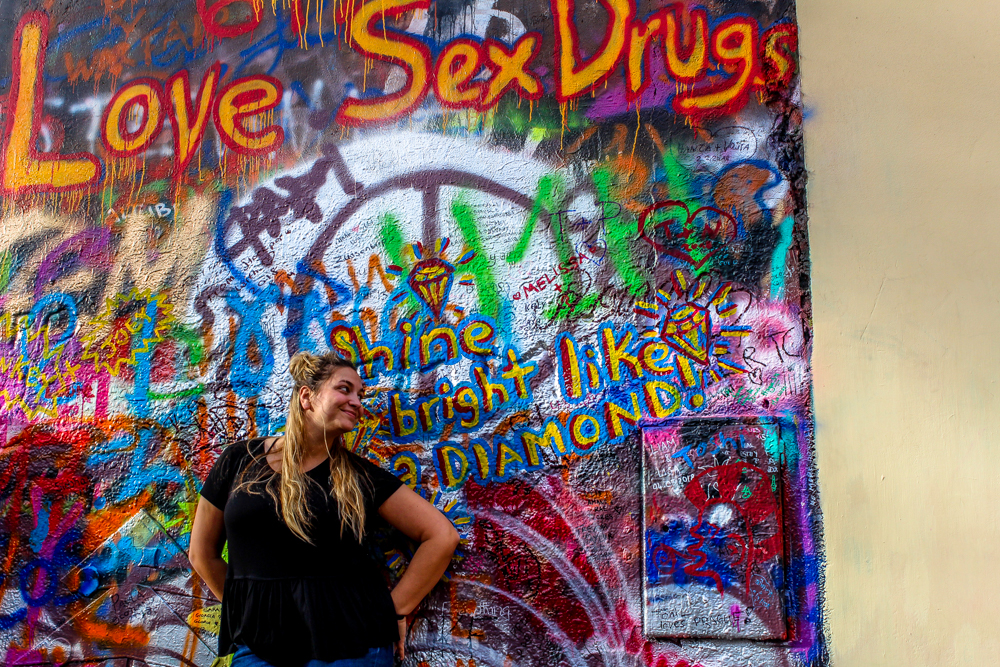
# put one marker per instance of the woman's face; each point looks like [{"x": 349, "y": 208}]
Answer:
[{"x": 336, "y": 403}]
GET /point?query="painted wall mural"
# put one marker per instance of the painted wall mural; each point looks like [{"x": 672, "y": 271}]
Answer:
[{"x": 565, "y": 242}]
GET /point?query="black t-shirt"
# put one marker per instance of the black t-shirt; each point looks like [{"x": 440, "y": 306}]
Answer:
[{"x": 287, "y": 600}]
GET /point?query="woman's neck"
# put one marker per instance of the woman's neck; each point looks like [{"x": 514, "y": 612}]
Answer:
[
  {"x": 315, "y": 449},
  {"x": 316, "y": 442},
  {"x": 313, "y": 453}
]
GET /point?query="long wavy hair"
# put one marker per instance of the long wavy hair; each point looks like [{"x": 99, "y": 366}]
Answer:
[{"x": 310, "y": 370}]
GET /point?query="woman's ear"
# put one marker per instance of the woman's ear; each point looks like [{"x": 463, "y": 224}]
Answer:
[{"x": 305, "y": 398}]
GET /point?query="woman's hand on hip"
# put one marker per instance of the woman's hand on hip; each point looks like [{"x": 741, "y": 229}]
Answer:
[
  {"x": 401, "y": 644},
  {"x": 422, "y": 522}
]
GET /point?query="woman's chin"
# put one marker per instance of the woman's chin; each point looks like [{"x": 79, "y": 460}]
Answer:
[{"x": 346, "y": 425}]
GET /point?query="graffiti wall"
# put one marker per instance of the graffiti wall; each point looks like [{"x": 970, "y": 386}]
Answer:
[{"x": 565, "y": 243}]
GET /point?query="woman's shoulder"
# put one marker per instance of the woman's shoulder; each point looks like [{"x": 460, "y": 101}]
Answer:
[
  {"x": 373, "y": 471},
  {"x": 234, "y": 459},
  {"x": 244, "y": 447},
  {"x": 362, "y": 462},
  {"x": 241, "y": 451},
  {"x": 382, "y": 482}
]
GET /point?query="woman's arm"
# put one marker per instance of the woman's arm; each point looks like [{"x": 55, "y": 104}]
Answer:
[
  {"x": 208, "y": 535},
  {"x": 421, "y": 522}
]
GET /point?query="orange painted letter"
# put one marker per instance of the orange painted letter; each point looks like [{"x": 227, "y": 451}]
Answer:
[
  {"x": 685, "y": 55},
  {"x": 510, "y": 68},
  {"x": 734, "y": 46},
  {"x": 24, "y": 167},
  {"x": 246, "y": 98},
  {"x": 573, "y": 79},
  {"x": 145, "y": 94},
  {"x": 387, "y": 45},
  {"x": 189, "y": 122},
  {"x": 639, "y": 37},
  {"x": 456, "y": 66}
]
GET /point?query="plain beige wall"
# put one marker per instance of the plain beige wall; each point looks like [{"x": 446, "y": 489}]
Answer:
[{"x": 903, "y": 153}]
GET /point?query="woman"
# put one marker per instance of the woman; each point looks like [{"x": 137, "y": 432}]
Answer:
[{"x": 300, "y": 586}]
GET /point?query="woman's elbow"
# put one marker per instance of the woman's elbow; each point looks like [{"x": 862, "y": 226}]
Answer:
[
  {"x": 443, "y": 536},
  {"x": 194, "y": 556},
  {"x": 450, "y": 538},
  {"x": 199, "y": 557}
]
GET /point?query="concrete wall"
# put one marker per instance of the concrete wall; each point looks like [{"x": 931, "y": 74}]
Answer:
[
  {"x": 568, "y": 250},
  {"x": 901, "y": 153}
]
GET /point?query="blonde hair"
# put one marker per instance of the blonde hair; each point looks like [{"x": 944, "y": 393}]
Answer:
[{"x": 310, "y": 370}]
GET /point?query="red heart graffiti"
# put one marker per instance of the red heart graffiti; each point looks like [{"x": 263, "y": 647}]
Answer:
[{"x": 712, "y": 230}]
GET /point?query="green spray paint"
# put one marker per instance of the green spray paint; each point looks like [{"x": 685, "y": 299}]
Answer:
[
  {"x": 551, "y": 199},
  {"x": 191, "y": 339},
  {"x": 621, "y": 233},
  {"x": 479, "y": 267},
  {"x": 183, "y": 393},
  {"x": 551, "y": 189},
  {"x": 677, "y": 176},
  {"x": 6, "y": 266},
  {"x": 518, "y": 117},
  {"x": 562, "y": 311},
  {"x": 392, "y": 240}
]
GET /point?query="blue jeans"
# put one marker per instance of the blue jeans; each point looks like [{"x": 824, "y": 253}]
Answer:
[{"x": 376, "y": 657}]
